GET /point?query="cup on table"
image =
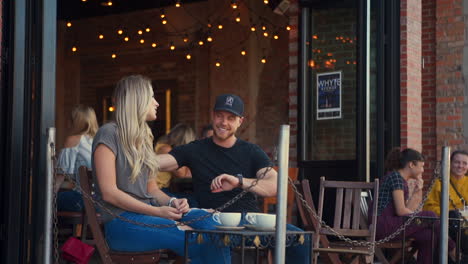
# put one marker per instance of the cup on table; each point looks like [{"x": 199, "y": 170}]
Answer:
[
  {"x": 261, "y": 220},
  {"x": 228, "y": 219},
  {"x": 464, "y": 212}
]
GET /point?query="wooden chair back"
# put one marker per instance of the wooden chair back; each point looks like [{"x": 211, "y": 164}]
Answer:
[
  {"x": 267, "y": 201},
  {"x": 107, "y": 255},
  {"x": 305, "y": 206},
  {"x": 348, "y": 216}
]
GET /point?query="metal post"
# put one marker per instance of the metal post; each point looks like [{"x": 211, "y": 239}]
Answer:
[
  {"x": 444, "y": 205},
  {"x": 48, "y": 195},
  {"x": 282, "y": 195}
]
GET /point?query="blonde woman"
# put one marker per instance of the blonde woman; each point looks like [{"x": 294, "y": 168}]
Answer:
[
  {"x": 77, "y": 152},
  {"x": 125, "y": 167}
]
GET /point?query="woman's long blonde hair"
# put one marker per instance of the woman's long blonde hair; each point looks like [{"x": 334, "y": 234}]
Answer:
[
  {"x": 133, "y": 96},
  {"x": 84, "y": 121}
]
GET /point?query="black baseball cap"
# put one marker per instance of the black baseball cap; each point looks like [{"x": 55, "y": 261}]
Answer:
[{"x": 230, "y": 103}]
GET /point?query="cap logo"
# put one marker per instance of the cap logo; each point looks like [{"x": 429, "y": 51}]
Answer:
[{"x": 229, "y": 100}]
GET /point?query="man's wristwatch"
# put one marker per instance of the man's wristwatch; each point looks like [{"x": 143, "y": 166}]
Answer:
[{"x": 241, "y": 179}]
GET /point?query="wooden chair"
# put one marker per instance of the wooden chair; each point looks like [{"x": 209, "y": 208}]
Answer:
[
  {"x": 347, "y": 220},
  {"x": 395, "y": 246},
  {"x": 267, "y": 201},
  {"x": 107, "y": 255},
  {"x": 309, "y": 221}
]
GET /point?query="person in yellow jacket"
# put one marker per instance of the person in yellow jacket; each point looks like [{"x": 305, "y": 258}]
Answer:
[
  {"x": 458, "y": 183},
  {"x": 458, "y": 195}
]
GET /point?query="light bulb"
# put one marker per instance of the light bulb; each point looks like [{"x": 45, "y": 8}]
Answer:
[
  {"x": 265, "y": 34},
  {"x": 69, "y": 24},
  {"x": 109, "y": 3},
  {"x": 218, "y": 64},
  {"x": 243, "y": 52},
  {"x": 238, "y": 19},
  {"x": 177, "y": 4},
  {"x": 142, "y": 41},
  {"x": 154, "y": 45},
  {"x": 120, "y": 31},
  {"x": 275, "y": 36},
  {"x": 164, "y": 21},
  {"x": 288, "y": 27},
  {"x": 263, "y": 60},
  {"x": 265, "y": 1},
  {"x": 114, "y": 56},
  {"x": 188, "y": 56},
  {"x": 126, "y": 38},
  {"x": 74, "y": 49},
  {"x": 101, "y": 36},
  {"x": 220, "y": 26},
  {"x": 172, "y": 47},
  {"x": 111, "y": 109},
  {"x": 200, "y": 43},
  {"x": 253, "y": 28},
  {"x": 209, "y": 39},
  {"x": 140, "y": 32},
  {"x": 147, "y": 29},
  {"x": 185, "y": 39}
]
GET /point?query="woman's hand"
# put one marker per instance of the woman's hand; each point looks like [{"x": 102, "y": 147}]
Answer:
[
  {"x": 168, "y": 212},
  {"x": 181, "y": 205}
]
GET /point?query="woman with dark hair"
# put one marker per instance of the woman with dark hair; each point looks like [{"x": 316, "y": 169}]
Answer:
[{"x": 394, "y": 204}]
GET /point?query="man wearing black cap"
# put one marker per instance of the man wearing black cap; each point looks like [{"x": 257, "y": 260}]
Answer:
[{"x": 223, "y": 165}]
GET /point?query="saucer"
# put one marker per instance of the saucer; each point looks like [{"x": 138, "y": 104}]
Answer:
[
  {"x": 230, "y": 227},
  {"x": 258, "y": 228}
]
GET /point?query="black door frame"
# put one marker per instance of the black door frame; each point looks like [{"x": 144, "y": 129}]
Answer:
[
  {"x": 387, "y": 94},
  {"x": 28, "y": 109}
]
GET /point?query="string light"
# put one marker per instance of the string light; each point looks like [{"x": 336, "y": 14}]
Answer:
[
  {"x": 83, "y": 0},
  {"x": 253, "y": 28},
  {"x": 74, "y": 49},
  {"x": 188, "y": 56},
  {"x": 238, "y": 19},
  {"x": 220, "y": 26},
  {"x": 218, "y": 64},
  {"x": 142, "y": 41},
  {"x": 108, "y": 3},
  {"x": 120, "y": 31},
  {"x": 265, "y": 1},
  {"x": 243, "y": 52},
  {"x": 147, "y": 29},
  {"x": 263, "y": 27},
  {"x": 275, "y": 36},
  {"x": 209, "y": 39},
  {"x": 69, "y": 24},
  {"x": 101, "y": 36},
  {"x": 186, "y": 38},
  {"x": 164, "y": 21},
  {"x": 154, "y": 45},
  {"x": 140, "y": 32},
  {"x": 126, "y": 39},
  {"x": 234, "y": 4},
  {"x": 163, "y": 15},
  {"x": 177, "y": 4},
  {"x": 288, "y": 27},
  {"x": 111, "y": 109},
  {"x": 114, "y": 56},
  {"x": 201, "y": 43},
  {"x": 172, "y": 47},
  {"x": 265, "y": 34},
  {"x": 263, "y": 60}
]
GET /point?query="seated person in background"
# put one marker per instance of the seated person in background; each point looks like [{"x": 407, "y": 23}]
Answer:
[
  {"x": 125, "y": 167},
  {"x": 207, "y": 131},
  {"x": 180, "y": 134},
  {"x": 458, "y": 191},
  {"x": 223, "y": 166},
  {"x": 394, "y": 203},
  {"x": 77, "y": 153}
]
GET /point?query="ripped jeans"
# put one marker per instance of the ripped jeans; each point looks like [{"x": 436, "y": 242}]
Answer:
[{"x": 124, "y": 236}]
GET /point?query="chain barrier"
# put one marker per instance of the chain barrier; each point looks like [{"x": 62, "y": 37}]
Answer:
[
  {"x": 181, "y": 223},
  {"x": 367, "y": 243}
]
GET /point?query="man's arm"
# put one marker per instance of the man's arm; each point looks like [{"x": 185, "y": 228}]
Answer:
[
  {"x": 167, "y": 162},
  {"x": 266, "y": 185}
]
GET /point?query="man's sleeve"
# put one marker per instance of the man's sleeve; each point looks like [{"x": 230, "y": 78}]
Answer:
[
  {"x": 181, "y": 154},
  {"x": 260, "y": 159}
]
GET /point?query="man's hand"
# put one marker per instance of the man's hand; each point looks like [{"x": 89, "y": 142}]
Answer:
[
  {"x": 224, "y": 182},
  {"x": 181, "y": 205}
]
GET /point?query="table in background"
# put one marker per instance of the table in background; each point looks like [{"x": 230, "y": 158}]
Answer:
[{"x": 239, "y": 239}]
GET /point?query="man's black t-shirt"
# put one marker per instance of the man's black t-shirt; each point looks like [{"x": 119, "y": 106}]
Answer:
[{"x": 207, "y": 160}]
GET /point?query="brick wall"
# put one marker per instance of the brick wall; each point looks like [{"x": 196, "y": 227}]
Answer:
[
  {"x": 294, "y": 13},
  {"x": 428, "y": 110},
  {"x": 450, "y": 95},
  {"x": 410, "y": 72}
]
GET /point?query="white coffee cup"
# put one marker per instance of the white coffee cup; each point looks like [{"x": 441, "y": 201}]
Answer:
[
  {"x": 261, "y": 220},
  {"x": 228, "y": 219}
]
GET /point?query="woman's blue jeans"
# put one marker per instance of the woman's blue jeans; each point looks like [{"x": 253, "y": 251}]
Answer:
[
  {"x": 124, "y": 236},
  {"x": 70, "y": 201}
]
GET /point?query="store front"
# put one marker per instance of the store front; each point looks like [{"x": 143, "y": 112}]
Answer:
[{"x": 348, "y": 89}]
